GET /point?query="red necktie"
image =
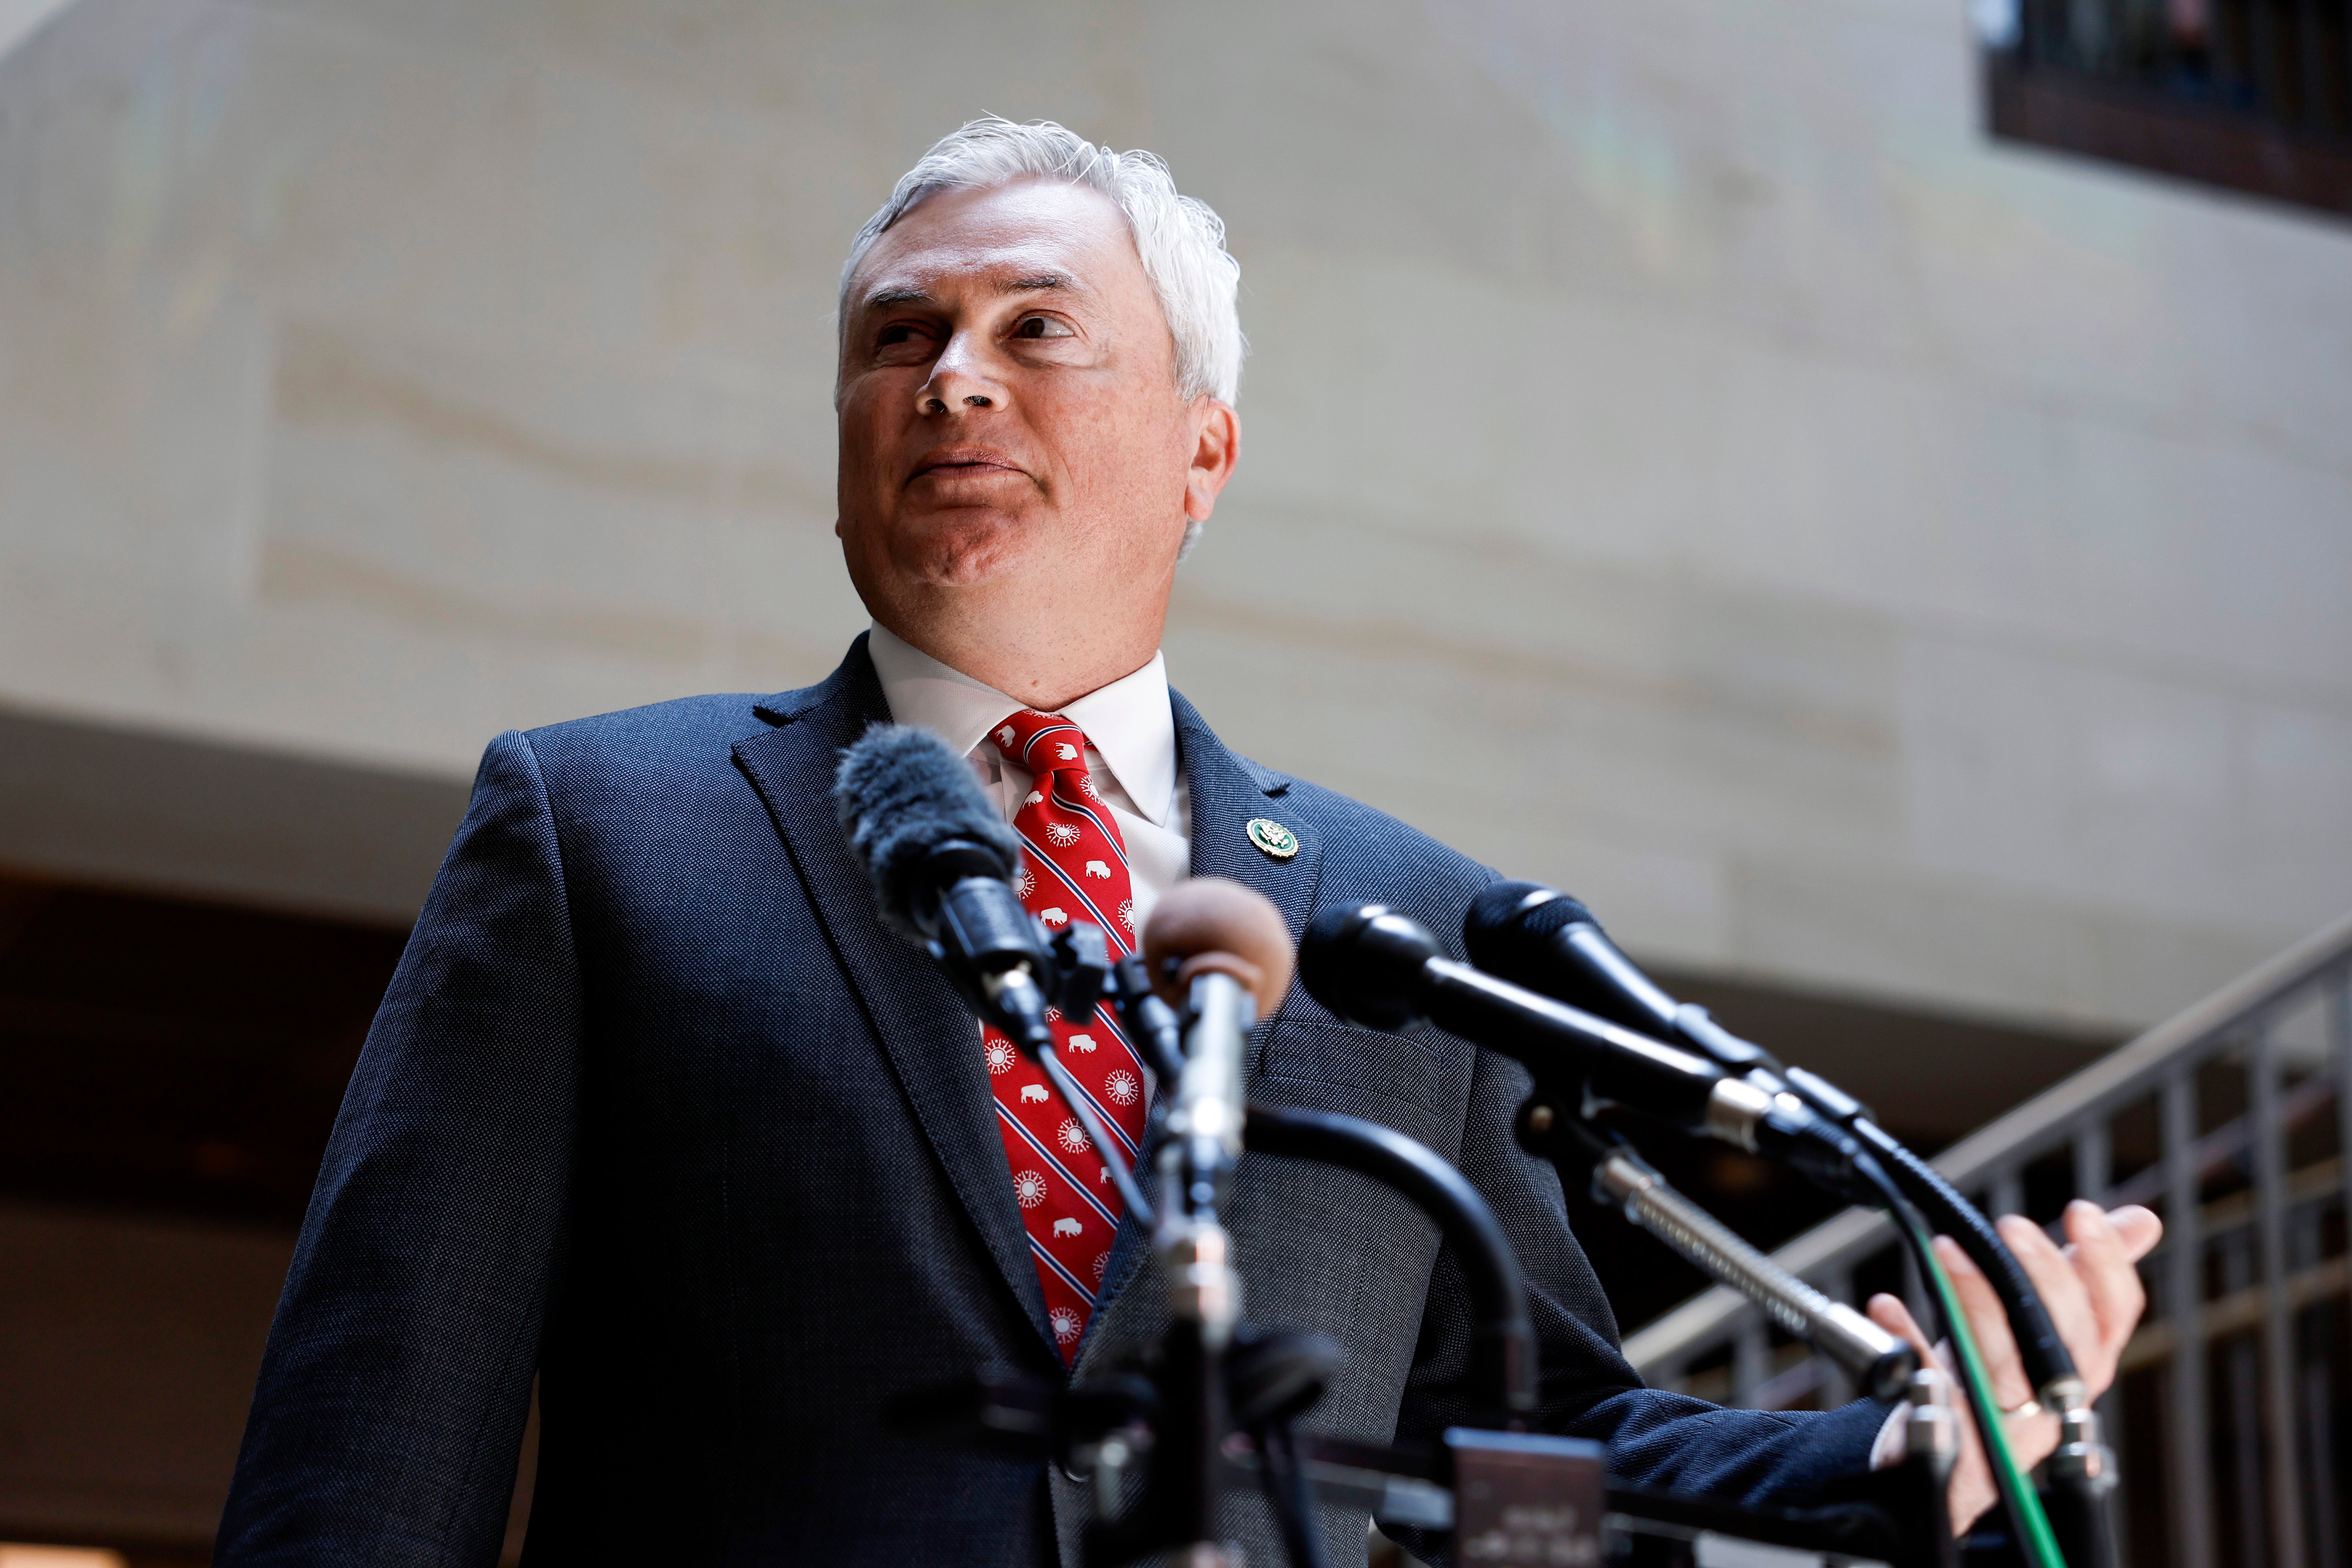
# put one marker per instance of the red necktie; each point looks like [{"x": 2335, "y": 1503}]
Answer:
[{"x": 1075, "y": 869}]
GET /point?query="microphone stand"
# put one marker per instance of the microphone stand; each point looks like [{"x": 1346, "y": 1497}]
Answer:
[
  {"x": 1227, "y": 1395},
  {"x": 1221, "y": 1399},
  {"x": 1195, "y": 1251},
  {"x": 1503, "y": 1358},
  {"x": 1540, "y": 936},
  {"x": 1880, "y": 1364},
  {"x": 1542, "y": 1499}
]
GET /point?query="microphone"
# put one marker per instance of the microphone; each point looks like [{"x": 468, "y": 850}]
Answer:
[
  {"x": 1375, "y": 967},
  {"x": 1541, "y": 938},
  {"x": 942, "y": 860},
  {"x": 1546, "y": 940},
  {"x": 1221, "y": 951},
  {"x": 1214, "y": 925}
]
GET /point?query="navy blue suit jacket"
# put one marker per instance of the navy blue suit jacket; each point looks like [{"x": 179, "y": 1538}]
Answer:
[{"x": 657, "y": 1111}]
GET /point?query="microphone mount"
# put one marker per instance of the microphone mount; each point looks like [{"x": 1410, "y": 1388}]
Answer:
[
  {"x": 1215, "y": 1407},
  {"x": 1540, "y": 937},
  {"x": 1544, "y": 939},
  {"x": 1383, "y": 970}
]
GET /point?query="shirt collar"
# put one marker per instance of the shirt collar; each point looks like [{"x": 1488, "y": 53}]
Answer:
[{"x": 1127, "y": 722}]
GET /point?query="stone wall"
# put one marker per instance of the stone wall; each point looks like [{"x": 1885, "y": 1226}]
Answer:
[{"x": 1684, "y": 459}]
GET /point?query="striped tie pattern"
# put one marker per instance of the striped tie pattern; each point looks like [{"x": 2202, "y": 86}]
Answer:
[{"x": 1073, "y": 869}]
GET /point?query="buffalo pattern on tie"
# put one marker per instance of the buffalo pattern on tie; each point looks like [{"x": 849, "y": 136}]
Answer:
[{"x": 1074, "y": 868}]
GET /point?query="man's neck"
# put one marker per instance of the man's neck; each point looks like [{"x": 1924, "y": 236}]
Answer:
[{"x": 1040, "y": 666}]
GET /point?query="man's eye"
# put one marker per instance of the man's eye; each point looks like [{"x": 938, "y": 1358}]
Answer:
[
  {"x": 897, "y": 332},
  {"x": 1043, "y": 327}
]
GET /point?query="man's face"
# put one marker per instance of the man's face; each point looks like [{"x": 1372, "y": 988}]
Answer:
[{"x": 1008, "y": 405}]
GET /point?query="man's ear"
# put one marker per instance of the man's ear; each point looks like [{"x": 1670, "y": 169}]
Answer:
[{"x": 1216, "y": 448}]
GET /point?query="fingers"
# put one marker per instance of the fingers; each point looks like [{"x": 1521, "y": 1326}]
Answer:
[
  {"x": 2030, "y": 1436},
  {"x": 2102, "y": 1260},
  {"x": 2090, "y": 1289},
  {"x": 1889, "y": 1313},
  {"x": 1970, "y": 1491},
  {"x": 2138, "y": 1227},
  {"x": 1989, "y": 1321},
  {"x": 2056, "y": 1281}
]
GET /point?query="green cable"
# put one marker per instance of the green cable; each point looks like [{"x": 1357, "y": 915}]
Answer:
[{"x": 2040, "y": 1543}]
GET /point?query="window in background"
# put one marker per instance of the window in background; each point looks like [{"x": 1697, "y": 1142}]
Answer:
[{"x": 2254, "y": 95}]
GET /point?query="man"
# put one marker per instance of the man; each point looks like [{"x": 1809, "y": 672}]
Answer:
[{"x": 657, "y": 1111}]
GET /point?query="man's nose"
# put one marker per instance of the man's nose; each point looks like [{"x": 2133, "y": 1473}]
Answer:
[{"x": 959, "y": 383}]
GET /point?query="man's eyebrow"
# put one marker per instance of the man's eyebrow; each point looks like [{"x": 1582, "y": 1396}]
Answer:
[{"x": 1033, "y": 283}]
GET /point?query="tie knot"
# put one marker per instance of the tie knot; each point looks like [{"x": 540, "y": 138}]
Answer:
[{"x": 1042, "y": 742}]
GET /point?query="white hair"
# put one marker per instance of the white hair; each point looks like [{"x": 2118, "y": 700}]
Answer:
[{"x": 1180, "y": 238}]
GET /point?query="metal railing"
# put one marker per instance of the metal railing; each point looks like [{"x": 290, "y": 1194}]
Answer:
[{"x": 2233, "y": 1407}]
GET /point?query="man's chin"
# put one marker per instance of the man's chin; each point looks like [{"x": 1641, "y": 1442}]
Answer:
[{"x": 967, "y": 553}]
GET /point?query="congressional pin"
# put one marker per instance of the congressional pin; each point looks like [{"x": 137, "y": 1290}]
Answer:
[{"x": 1273, "y": 838}]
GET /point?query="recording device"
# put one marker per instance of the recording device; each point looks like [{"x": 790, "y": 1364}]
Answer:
[
  {"x": 1221, "y": 952},
  {"x": 1541, "y": 938},
  {"x": 942, "y": 860},
  {"x": 1548, "y": 941},
  {"x": 1878, "y": 1361},
  {"x": 1215, "y": 1405},
  {"x": 1385, "y": 970}
]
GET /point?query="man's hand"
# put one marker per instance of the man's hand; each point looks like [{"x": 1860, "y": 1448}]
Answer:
[{"x": 2094, "y": 1297}]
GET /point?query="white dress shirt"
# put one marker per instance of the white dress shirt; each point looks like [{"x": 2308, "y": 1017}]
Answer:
[{"x": 1130, "y": 751}]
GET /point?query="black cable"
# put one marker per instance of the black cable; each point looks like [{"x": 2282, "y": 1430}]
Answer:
[
  {"x": 1505, "y": 1359},
  {"x": 1291, "y": 1491},
  {"x": 2047, "y": 1360},
  {"x": 2082, "y": 1510},
  {"x": 1150, "y": 1023},
  {"x": 2026, "y": 1519}
]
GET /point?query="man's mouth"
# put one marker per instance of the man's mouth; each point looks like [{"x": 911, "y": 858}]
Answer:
[{"x": 963, "y": 461}]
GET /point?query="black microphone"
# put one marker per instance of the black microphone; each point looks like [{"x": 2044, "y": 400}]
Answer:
[
  {"x": 942, "y": 860},
  {"x": 1375, "y": 967},
  {"x": 1546, "y": 940}
]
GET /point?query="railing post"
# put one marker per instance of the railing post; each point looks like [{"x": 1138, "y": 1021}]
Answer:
[
  {"x": 2266, "y": 1142},
  {"x": 2094, "y": 1172},
  {"x": 2242, "y": 1353},
  {"x": 2335, "y": 996},
  {"x": 2337, "y": 1000},
  {"x": 2184, "y": 1296},
  {"x": 1836, "y": 1388},
  {"x": 2316, "y": 1392},
  {"x": 1751, "y": 1359},
  {"x": 2094, "y": 1160},
  {"x": 2007, "y": 1194}
]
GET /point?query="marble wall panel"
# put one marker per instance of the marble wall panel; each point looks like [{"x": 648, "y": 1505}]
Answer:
[{"x": 1684, "y": 459}]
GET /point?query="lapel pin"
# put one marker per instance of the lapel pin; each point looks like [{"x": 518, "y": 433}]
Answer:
[{"x": 1273, "y": 838}]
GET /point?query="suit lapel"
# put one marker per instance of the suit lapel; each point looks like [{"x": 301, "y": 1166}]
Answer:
[
  {"x": 1227, "y": 791},
  {"x": 928, "y": 1033}
]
